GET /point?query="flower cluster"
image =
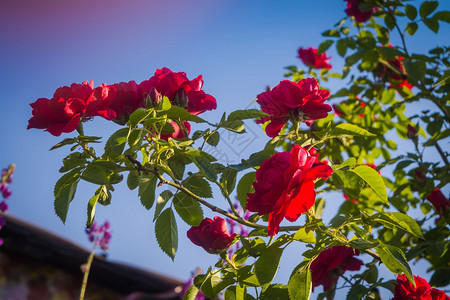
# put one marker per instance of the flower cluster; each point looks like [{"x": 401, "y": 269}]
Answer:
[
  {"x": 331, "y": 263},
  {"x": 297, "y": 102},
  {"x": 313, "y": 60},
  {"x": 284, "y": 186},
  {"x": 211, "y": 235},
  {"x": 6, "y": 179},
  {"x": 99, "y": 235},
  {"x": 405, "y": 290},
  {"x": 71, "y": 105},
  {"x": 353, "y": 10}
]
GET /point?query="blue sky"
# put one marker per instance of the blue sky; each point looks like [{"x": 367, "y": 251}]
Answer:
[{"x": 238, "y": 46}]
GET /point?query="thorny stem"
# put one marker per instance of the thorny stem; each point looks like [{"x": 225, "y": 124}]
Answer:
[{"x": 86, "y": 272}]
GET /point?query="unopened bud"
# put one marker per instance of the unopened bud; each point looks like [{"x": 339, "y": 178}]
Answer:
[
  {"x": 412, "y": 132},
  {"x": 181, "y": 98},
  {"x": 153, "y": 98}
]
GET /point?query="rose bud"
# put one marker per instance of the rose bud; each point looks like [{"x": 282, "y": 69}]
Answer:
[
  {"x": 211, "y": 235},
  {"x": 153, "y": 98}
]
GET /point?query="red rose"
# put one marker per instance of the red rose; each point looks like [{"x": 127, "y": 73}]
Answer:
[
  {"x": 332, "y": 263},
  {"x": 354, "y": 11},
  {"x": 169, "y": 84},
  {"x": 211, "y": 235},
  {"x": 124, "y": 98},
  {"x": 63, "y": 112},
  {"x": 405, "y": 290},
  {"x": 284, "y": 186},
  {"x": 313, "y": 60},
  {"x": 438, "y": 295},
  {"x": 302, "y": 101},
  {"x": 439, "y": 201}
]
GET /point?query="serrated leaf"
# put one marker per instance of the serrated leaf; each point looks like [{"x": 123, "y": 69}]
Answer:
[
  {"x": 133, "y": 179},
  {"x": 394, "y": 259},
  {"x": 191, "y": 293},
  {"x": 64, "y": 192},
  {"x": 416, "y": 70},
  {"x": 73, "y": 160},
  {"x": 64, "y": 142},
  {"x": 245, "y": 114},
  {"x": 188, "y": 209},
  {"x": 92, "y": 204},
  {"x": 228, "y": 180},
  {"x": 213, "y": 139},
  {"x": 236, "y": 126},
  {"x": 178, "y": 113},
  {"x": 147, "y": 188},
  {"x": 299, "y": 285},
  {"x": 117, "y": 141},
  {"x": 349, "y": 129},
  {"x": 341, "y": 47},
  {"x": 305, "y": 236},
  {"x": 135, "y": 138},
  {"x": 198, "y": 186},
  {"x": 245, "y": 186},
  {"x": 399, "y": 220},
  {"x": 349, "y": 181},
  {"x": 356, "y": 292},
  {"x": 205, "y": 167},
  {"x": 267, "y": 264},
  {"x": 165, "y": 104},
  {"x": 96, "y": 174},
  {"x": 362, "y": 244},
  {"x": 104, "y": 196},
  {"x": 427, "y": 7},
  {"x": 374, "y": 181},
  {"x": 163, "y": 198},
  {"x": 166, "y": 232},
  {"x": 138, "y": 116}
]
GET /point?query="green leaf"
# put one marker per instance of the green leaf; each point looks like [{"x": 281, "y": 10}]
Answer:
[
  {"x": 228, "y": 180},
  {"x": 416, "y": 70},
  {"x": 411, "y": 28},
  {"x": 163, "y": 198},
  {"x": 442, "y": 16},
  {"x": 305, "y": 236},
  {"x": 341, "y": 47},
  {"x": 357, "y": 292},
  {"x": 362, "y": 244},
  {"x": 399, "y": 220},
  {"x": 275, "y": 291},
  {"x": 331, "y": 32},
  {"x": 188, "y": 209},
  {"x": 166, "y": 232},
  {"x": 349, "y": 129},
  {"x": 165, "y": 104},
  {"x": 96, "y": 174},
  {"x": 205, "y": 167},
  {"x": 389, "y": 21},
  {"x": 299, "y": 285},
  {"x": 236, "y": 126},
  {"x": 427, "y": 7},
  {"x": 64, "y": 192},
  {"x": 176, "y": 112},
  {"x": 324, "y": 46},
  {"x": 118, "y": 140},
  {"x": 441, "y": 277},
  {"x": 374, "y": 180},
  {"x": 135, "y": 138},
  {"x": 394, "y": 259},
  {"x": 349, "y": 181},
  {"x": 245, "y": 114},
  {"x": 138, "y": 116},
  {"x": 68, "y": 141},
  {"x": 388, "y": 96},
  {"x": 213, "y": 139},
  {"x": 198, "y": 186},
  {"x": 245, "y": 186},
  {"x": 104, "y": 196},
  {"x": 267, "y": 264},
  {"x": 209, "y": 284},
  {"x": 91, "y": 210},
  {"x": 133, "y": 179},
  {"x": 147, "y": 188},
  {"x": 73, "y": 160},
  {"x": 433, "y": 24},
  {"x": 191, "y": 293},
  {"x": 411, "y": 12}
]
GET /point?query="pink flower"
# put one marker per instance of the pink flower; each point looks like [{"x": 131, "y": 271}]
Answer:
[
  {"x": 302, "y": 102},
  {"x": 170, "y": 84},
  {"x": 439, "y": 201},
  {"x": 354, "y": 11},
  {"x": 332, "y": 263},
  {"x": 211, "y": 235},
  {"x": 313, "y": 60},
  {"x": 284, "y": 186}
]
